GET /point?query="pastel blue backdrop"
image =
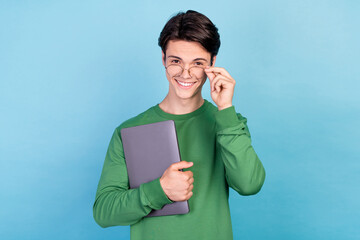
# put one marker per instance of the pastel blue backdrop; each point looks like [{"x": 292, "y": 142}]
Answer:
[{"x": 72, "y": 71}]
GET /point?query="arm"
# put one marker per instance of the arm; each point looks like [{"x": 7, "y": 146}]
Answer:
[
  {"x": 116, "y": 204},
  {"x": 243, "y": 169}
]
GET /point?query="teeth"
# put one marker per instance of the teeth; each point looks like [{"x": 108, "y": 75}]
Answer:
[{"x": 185, "y": 84}]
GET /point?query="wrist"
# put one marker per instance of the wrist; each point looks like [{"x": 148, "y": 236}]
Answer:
[
  {"x": 155, "y": 194},
  {"x": 163, "y": 187},
  {"x": 224, "y": 106}
]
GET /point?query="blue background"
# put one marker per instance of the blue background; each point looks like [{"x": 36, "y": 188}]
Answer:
[{"x": 72, "y": 71}]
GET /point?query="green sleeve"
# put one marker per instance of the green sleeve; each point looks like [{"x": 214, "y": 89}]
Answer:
[
  {"x": 243, "y": 169},
  {"x": 116, "y": 204}
]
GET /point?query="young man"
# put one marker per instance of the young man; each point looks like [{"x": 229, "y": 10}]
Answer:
[{"x": 214, "y": 143}]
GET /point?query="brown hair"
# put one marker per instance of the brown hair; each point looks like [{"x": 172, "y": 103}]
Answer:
[{"x": 191, "y": 26}]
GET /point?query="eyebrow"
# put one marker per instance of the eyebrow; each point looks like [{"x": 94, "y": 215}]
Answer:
[{"x": 196, "y": 59}]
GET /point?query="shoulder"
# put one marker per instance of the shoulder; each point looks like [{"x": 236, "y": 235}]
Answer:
[
  {"x": 145, "y": 117},
  {"x": 211, "y": 107}
]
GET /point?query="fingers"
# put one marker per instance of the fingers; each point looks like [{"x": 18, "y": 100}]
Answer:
[
  {"x": 210, "y": 75},
  {"x": 217, "y": 70},
  {"x": 219, "y": 78},
  {"x": 221, "y": 82},
  {"x": 189, "y": 192},
  {"x": 188, "y": 174},
  {"x": 191, "y": 185},
  {"x": 191, "y": 180},
  {"x": 217, "y": 83},
  {"x": 188, "y": 196}
]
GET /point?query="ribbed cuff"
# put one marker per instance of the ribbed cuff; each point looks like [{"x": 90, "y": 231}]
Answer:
[
  {"x": 226, "y": 118},
  {"x": 155, "y": 194}
]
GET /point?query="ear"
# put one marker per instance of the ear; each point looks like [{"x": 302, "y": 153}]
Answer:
[
  {"x": 163, "y": 57},
  {"x": 213, "y": 61}
]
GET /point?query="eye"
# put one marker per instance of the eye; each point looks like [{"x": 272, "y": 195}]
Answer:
[
  {"x": 175, "y": 61},
  {"x": 198, "y": 64}
]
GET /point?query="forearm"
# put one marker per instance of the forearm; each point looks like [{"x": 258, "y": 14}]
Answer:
[
  {"x": 115, "y": 203},
  {"x": 119, "y": 207},
  {"x": 115, "y": 206},
  {"x": 244, "y": 170}
]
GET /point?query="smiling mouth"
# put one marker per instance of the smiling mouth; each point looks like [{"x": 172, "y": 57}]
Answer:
[{"x": 185, "y": 84}]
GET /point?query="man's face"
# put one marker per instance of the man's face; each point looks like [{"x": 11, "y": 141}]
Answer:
[{"x": 185, "y": 62}]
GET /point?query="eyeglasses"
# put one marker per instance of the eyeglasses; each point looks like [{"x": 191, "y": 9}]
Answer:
[{"x": 175, "y": 70}]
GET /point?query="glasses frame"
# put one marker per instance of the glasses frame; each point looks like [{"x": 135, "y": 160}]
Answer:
[{"x": 179, "y": 74}]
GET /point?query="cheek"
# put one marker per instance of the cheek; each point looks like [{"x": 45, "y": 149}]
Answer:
[
  {"x": 168, "y": 76},
  {"x": 204, "y": 77}
]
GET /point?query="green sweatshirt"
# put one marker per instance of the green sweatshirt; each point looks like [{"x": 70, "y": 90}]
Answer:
[{"x": 219, "y": 145}]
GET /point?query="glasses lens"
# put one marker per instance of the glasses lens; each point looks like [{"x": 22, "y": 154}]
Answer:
[
  {"x": 196, "y": 72},
  {"x": 174, "y": 70}
]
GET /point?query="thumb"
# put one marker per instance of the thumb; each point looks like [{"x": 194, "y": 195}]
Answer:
[
  {"x": 181, "y": 165},
  {"x": 210, "y": 75}
]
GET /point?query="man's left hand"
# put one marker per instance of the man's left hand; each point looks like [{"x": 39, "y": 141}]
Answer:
[{"x": 222, "y": 86}]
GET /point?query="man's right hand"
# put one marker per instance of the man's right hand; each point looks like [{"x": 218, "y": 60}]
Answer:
[{"x": 176, "y": 184}]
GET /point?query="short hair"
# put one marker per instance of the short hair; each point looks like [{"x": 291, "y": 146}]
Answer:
[{"x": 191, "y": 26}]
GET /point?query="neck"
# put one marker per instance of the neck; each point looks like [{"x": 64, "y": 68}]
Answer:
[{"x": 181, "y": 106}]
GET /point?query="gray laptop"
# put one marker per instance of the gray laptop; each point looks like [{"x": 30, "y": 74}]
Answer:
[{"x": 149, "y": 150}]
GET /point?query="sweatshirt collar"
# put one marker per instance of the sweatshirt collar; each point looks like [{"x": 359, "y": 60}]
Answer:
[{"x": 170, "y": 116}]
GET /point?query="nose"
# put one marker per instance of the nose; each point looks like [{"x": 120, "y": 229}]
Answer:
[{"x": 185, "y": 73}]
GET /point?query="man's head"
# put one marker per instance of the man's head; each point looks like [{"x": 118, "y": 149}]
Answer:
[{"x": 193, "y": 27}]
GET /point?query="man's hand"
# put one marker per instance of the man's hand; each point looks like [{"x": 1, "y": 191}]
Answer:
[
  {"x": 176, "y": 184},
  {"x": 222, "y": 86}
]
